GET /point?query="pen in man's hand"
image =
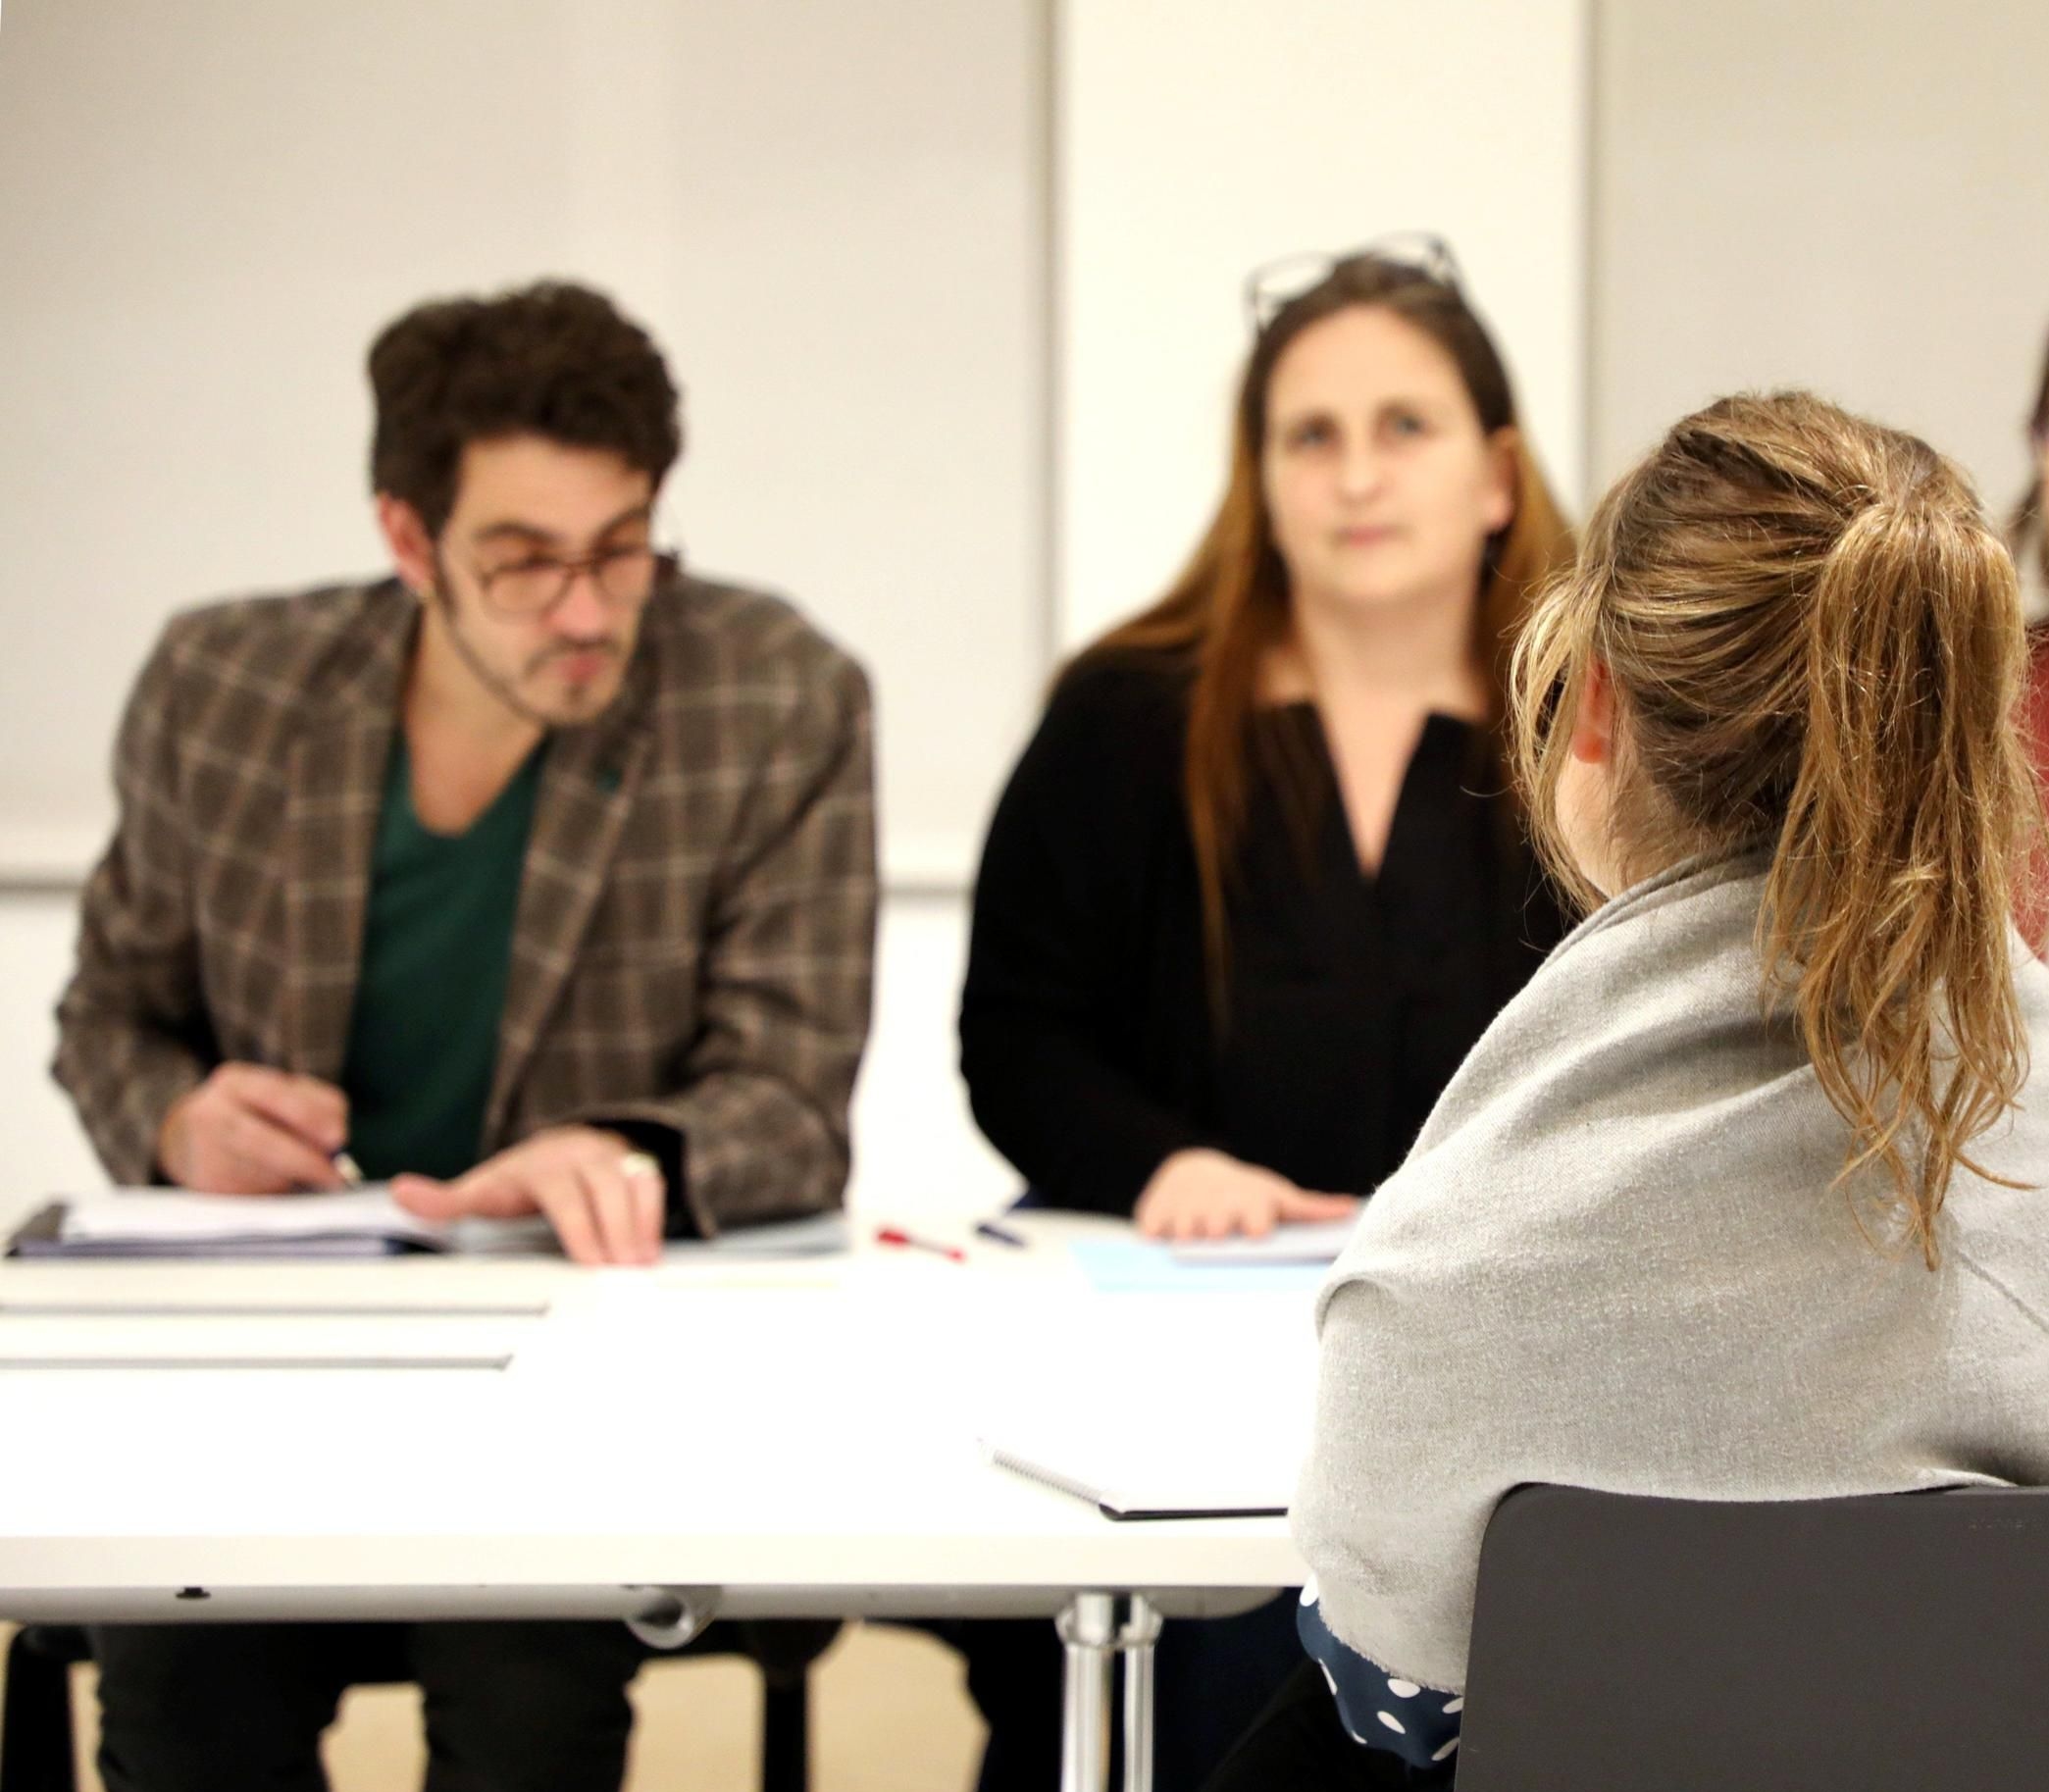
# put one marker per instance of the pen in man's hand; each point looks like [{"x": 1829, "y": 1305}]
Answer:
[{"x": 346, "y": 1167}]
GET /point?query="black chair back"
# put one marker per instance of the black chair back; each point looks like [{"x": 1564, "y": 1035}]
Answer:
[{"x": 1888, "y": 1644}]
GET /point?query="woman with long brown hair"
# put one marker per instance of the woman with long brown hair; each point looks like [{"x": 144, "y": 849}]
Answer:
[
  {"x": 1739, "y": 1200},
  {"x": 1254, "y": 888}
]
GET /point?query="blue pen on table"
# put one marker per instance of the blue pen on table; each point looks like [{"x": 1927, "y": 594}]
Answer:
[{"x": 989, "y": 1229}]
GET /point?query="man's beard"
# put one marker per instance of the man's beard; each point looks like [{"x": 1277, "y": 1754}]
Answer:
[{"x": 503, "y": 688}]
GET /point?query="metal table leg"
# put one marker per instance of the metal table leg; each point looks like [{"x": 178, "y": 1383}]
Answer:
[
  {"x": 1089, "y": 1628},
  {"x": 1139, "y": 1631},
  {"x": 1096, "y": 1631}
]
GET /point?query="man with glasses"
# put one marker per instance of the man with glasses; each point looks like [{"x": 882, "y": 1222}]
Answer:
[{"x": 538, "y": 880}]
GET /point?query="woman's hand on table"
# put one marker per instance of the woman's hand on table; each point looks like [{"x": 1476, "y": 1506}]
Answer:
[{"x": 1209, "y": 1194}]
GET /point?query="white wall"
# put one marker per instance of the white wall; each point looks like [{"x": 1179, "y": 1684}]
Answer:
[
  {"x": 1198, "y": 141},
  {"x": 917, "y": 1150},
  {"x": 1846, "y": 198}
]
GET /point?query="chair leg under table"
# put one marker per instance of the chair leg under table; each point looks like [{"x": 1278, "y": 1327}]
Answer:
[
  {"x": 35, "y": 1727},
  {"x": 785, "y": 1740},
  {"x": 1096, "y": 1634}
]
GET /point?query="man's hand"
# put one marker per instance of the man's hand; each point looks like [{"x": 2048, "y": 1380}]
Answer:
[
  {"x": 250, "y": 1130},
  {"x": 1203, "y": 1193},
  {"x": 603, "y": 1199}
]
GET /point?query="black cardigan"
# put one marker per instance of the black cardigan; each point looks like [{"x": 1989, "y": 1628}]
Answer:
[{"x": 1088, "y": 1039}]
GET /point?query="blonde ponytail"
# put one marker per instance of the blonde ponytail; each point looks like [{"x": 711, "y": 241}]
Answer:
[
  {"x": 1815, "y": 642},
  {"x": 1890, "y": 893}
]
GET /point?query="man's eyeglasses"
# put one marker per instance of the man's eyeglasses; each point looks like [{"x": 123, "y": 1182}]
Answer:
[
  {"x": 535, "y": 583},
  {"x": 1272, "y": 287}
]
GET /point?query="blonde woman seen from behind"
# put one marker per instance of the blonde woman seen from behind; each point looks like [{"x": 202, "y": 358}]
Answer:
[{"x": 1740, "y": 1198}]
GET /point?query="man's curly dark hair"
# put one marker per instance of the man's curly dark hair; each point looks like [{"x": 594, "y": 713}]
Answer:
[{"x": 552, "y": 359}]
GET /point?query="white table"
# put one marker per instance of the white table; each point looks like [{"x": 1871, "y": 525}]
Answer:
[{"x": 764, "y": 1438}]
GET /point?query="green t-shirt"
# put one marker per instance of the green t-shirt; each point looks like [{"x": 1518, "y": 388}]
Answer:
[{"x": 423, "y": 1040}]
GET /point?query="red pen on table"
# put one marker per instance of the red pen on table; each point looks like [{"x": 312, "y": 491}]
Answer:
[{"x": 895, "y": 1235}]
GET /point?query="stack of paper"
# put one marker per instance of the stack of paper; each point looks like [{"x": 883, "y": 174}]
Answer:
[
  {"x": 170, "y": 1223},
  {"x": 350, "y": 1224}
]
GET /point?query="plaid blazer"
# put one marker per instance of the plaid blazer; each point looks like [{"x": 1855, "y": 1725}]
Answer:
[{"x": 696, "y": 923}]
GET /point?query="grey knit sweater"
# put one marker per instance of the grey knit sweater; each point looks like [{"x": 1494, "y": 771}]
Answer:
[{"x": 1615, "y": 1260}]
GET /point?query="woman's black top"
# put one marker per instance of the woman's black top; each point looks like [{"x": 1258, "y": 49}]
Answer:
[{"x": 1089, "y": 1042}]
